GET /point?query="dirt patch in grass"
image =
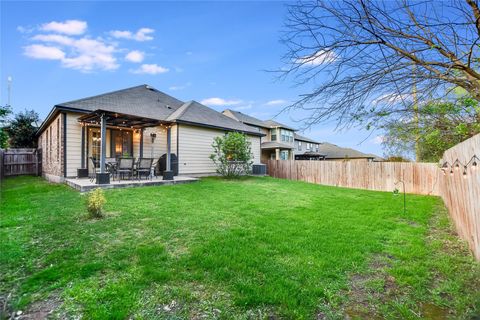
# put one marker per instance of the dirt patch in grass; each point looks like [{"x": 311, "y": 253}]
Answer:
[
  {"x": 367, "y": 290},
  {"x": 39, "y": 310}
]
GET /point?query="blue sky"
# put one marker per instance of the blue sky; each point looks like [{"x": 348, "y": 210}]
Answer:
[{"x": 213, "y": 52}]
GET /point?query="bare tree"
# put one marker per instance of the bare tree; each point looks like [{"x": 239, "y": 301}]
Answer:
[{"x": 367, "y": 60}]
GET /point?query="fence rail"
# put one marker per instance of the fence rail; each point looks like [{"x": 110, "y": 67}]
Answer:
[
  {"x": 419, "y": 178},
  {"x": 14, "y": 162}
]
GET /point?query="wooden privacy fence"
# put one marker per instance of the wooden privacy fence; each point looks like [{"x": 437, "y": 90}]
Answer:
[
  {"x": 14, "y": 162},
  {"x": 420, "y": 178},
  {"x": 461, "y": 193},
  {"x": 459, "y": 186}
]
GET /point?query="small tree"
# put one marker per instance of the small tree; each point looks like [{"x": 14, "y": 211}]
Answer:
[
  {"x": 4, "y": 112},
  {"x": 23, "y": 128},
  {"x": 232, "y": 155}
]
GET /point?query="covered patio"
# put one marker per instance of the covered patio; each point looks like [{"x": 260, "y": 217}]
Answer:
[{"x": 121, "y": 131}]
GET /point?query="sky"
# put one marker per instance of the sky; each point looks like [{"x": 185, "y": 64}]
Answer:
[{"x": 217, "y": 53}]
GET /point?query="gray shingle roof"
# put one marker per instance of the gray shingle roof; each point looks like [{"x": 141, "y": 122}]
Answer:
[
  {"x": 274, "y": 144},
  {"x": 141, "y": 100},
  {"x": 148, "y": 102},
  {"x": 333, "y": 151},
  {"x": 196, "y": 113},
  {"x": 239, "y": 116},
  {"x": 275, "y": 124},
  {"x": 302, "y": 138}
]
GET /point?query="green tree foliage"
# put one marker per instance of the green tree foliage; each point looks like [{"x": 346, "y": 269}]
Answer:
[
  {"x": 4, "y": 112},
  {"x": 441, "y": 125},
  {"x": 232, "y": 154},
  {"x": 22, "y": 130}
]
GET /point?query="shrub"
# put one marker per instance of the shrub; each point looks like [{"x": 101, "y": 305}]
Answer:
[
  {"x": 233, "y": 156},
  {"x": 95, "y": 202}
]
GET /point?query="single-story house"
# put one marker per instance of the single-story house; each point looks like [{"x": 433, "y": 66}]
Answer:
[{"x": 136, "y": 122}]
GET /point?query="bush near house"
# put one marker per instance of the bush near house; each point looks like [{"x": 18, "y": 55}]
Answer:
[{"x": 232, "y": 155}]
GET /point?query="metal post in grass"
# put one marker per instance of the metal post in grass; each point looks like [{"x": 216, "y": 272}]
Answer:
[{"x": 396, "y": 191}]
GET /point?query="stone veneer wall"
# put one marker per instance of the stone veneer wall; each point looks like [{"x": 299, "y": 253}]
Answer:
[{"x": 51, "y": 143}]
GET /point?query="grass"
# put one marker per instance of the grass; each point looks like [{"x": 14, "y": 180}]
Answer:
[{"x": 249, "y": 249}]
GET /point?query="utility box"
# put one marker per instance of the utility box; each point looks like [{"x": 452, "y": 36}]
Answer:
[{"x": 259, "y": 169}]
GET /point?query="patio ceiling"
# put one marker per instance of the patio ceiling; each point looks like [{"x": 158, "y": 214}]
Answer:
[{"x": 119, "y": 119}]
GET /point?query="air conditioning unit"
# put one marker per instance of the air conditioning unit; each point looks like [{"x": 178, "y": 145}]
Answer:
[{"x": 259, "y": 169}]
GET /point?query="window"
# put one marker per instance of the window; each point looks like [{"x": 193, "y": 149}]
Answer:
[
  {"x": 273, "y": 133},
  {"x": 58, "y": 139},
  {"x": 287, "y": 136},
  {"x": 316, "y": 147},
  {"x": 46, "y": 144},
  {"x": 299, "y": 145},
  {"x": 284, "y": 154}
]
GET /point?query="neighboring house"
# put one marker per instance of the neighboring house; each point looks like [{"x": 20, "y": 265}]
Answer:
[
  {"x": 137, "y": 122},
  {"x": 334, "y": 152},
  {"x": 278, "y": 142},
  {"x": 307, "y": 149}
]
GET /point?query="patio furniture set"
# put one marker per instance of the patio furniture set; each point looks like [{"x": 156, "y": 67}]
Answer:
[{"x": 125, "y": 168}]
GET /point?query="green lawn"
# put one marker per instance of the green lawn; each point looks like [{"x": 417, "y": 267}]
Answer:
[{"x": 249, "y": 249}]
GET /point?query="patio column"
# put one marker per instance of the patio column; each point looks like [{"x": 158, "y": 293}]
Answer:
[
  {"x": 103, "y": 177},
  {"x": 82, "y": 172},
  {"x": 168, "y": 173},
  {"x": 141, "y": 143},
  {"x": 277, "y": 154}
]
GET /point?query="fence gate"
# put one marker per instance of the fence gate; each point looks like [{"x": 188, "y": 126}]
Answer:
[{"x": 14, "y": 162}]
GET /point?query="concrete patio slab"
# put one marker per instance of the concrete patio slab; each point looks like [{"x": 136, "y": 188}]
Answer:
[{"x": 85, "y": 184}]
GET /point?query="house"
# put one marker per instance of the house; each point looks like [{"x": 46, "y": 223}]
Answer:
[
  {"x": 307, "y": 149},
  {"x": 280, "y": 141},
  {"x": 336, "y": 153},
  {"x": 137, "y": 122}
]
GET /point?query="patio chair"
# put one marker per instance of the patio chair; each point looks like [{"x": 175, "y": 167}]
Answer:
[
  {"x": 96, "y": 168},
  {"x": 144, "y": 166},
  {"x": 111, "y": 166},
  {"x": 125, "y": 167}
]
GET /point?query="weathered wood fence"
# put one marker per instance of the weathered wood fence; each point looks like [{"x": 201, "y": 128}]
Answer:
[
  {"x": 459, "y": 191},
  {"x": 14, "y": 162},
  {"x": 420, "y": 178}
]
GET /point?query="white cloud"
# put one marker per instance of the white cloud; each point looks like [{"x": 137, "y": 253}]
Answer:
[
  {"x": 275, "y": 102},
  {"x": 150, "y": 69},
  {"x": 215, "y": 101},
  {"x": 70, "y": 27},
  {"x": 39, "y": 51},
  {"x": 318, "y": 58},
  {"x": 54, "y": 38},
  {"x": 135, "y": 56},
  {"x": 141, "y": 35},
  {"x": 392, "y": 98},
  {"x": 378, "y": 140},
  {"x": 82, "y": 54}
]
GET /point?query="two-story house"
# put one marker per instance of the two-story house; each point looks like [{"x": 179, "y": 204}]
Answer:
[
  {"x": 307, "y": 149},
  {"x": 280, "y": 141}
]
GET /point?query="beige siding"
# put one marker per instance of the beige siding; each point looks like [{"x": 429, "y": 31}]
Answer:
[
  {"x": 255, "y": 147},
  {"x": 74, "y": 144},
  {"x": 155, "y": 149},
  {"x": 195, "y": 148}
]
